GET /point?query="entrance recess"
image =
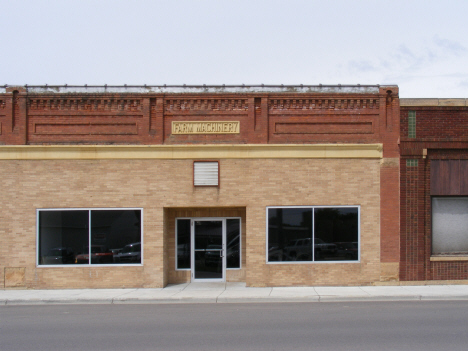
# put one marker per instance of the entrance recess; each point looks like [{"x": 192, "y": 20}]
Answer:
[
  {"x": 208, "y": 247},
  {"x": 208, "y": 259}
]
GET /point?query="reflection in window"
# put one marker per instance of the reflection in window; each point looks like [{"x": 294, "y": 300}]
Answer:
[
  {"x": 64, "y": 236},
  {"x": 183, "y": 243},
  {"x": 233, "y": 243},
  {"x": 334, "y": 232},
  {"x": 290, "y": 234}
]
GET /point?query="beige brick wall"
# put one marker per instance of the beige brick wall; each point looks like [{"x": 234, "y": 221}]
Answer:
[{"x": 155, "y": 185}]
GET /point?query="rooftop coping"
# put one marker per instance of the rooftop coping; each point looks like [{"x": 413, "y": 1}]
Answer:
[
  {"x": 224, "y": 88},
  {"x": 433, "y": 102}
]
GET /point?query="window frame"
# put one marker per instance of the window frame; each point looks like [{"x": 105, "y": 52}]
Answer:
[
  {"x": 89, "y": 209},
  {"x": 177, "y": 243},
  {"x": 313, "y": 234}
]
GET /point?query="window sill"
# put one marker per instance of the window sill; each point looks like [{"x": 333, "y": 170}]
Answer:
[{"x": 449, "y": 258}]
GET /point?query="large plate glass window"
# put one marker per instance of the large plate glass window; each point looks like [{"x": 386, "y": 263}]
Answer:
[
  {"x": 449, "y": 225},
  {"x": 97, "y": 236},
  {"x": 311, "y": 234},
  {"x": 449, "y": 195}
]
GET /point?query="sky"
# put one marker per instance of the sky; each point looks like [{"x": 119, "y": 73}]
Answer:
[{"x": 421, "y": 46}]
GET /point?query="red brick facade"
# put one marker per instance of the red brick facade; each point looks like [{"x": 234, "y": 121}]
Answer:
[
  {"x": 29, "y": 116},
  {"x": 441, "y": 134}
]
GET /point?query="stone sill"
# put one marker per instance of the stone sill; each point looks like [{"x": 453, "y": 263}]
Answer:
[{"x": 449, "y": 258}]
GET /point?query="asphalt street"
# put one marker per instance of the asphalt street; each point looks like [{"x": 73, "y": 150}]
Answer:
[{"x": 395, "y": 325}]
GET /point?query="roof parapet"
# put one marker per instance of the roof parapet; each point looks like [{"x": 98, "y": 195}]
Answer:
[{"x": 244, "y": 88}]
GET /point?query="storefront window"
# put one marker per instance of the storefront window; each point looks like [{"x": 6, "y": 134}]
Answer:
[
  {"x": 64, "y": 236},
  {"x": 449, "y": 225},
  {"x": 334, "y": 232}
]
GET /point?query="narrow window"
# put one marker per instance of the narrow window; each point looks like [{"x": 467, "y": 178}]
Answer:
[
  {"x": 233, "y": 243},
  {"x": 183, "y": 243},
  {"x": 411, "y": 124}
]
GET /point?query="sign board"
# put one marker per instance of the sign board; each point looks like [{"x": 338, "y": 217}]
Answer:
[{"x": 205, "y": 127}]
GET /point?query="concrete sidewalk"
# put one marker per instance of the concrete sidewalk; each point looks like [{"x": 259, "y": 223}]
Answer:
[{"x": 233, "y": 293}]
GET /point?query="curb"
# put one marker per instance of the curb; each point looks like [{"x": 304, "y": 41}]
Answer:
[{"x": 225, "y": 300}]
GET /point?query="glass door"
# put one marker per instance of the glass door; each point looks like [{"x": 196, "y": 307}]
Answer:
[{"x": 208, "y": 261}]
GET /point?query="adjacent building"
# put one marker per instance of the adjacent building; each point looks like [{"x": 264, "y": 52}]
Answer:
[{"x": 434, "y": 189}]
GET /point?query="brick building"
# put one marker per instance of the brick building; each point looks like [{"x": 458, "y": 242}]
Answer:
[
  {"x": 434, "y": 189},
  {"x": 106, "y": 187}
]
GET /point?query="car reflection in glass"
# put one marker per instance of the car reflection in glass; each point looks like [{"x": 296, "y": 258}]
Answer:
[
  {"x": 301, "y": 250},
  {"x": 274, "y": 253},
  {"x": 213, "y": 255},
  {"x": 59, "y": 255},
  {"x": 233, "y": 256},
  {"x": 347, "y": 250},
  {"x": 115, "y": 252},
  {"x": 298, "y": 250},
  {"x": 131, "y": 253},
  {"x": 183, "y": 255},
  {"x": 323, "y": 250},
  {"x": 100, "y": 254}
]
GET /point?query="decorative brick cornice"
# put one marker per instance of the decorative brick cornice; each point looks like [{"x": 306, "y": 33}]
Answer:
[{"x": 84, "y": 104}]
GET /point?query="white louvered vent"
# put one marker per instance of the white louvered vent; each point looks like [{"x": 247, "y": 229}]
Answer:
[{"x": 205, "y": 173}]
